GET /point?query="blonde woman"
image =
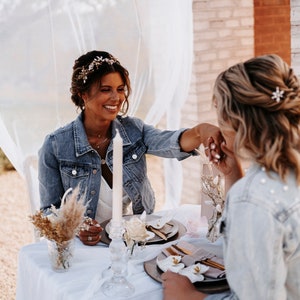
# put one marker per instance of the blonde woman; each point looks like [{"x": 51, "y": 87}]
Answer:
[{"x": 258, "y": 107}]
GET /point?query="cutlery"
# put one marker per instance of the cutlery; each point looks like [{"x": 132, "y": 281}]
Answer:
[
  {"x": 211, "y": 263},
  {"x": 157, "y": 232},
  {"x": 171, "y": 251},
  {"x": 207, "y": 262},
  {"x": 183, "y": 250}
]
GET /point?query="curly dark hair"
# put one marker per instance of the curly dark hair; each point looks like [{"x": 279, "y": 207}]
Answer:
[{"x": 109, "y": 64}]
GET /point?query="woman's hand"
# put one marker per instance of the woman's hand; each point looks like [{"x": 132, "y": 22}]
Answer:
[
  {"x": 204, "y": 133},
  {"x": 90, "y": 232},
  {"x": 179, "y": 287},
  {"x": 228, "y": 164}
]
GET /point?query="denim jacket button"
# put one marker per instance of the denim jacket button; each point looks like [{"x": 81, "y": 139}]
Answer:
[
  {"x": 74, "y": 172},
  {"x": 94, "y": 171},
  {"x": 89, "y": 211},
  {"x": 134, "y": 156},
  {"x": 93, "y": 192}
]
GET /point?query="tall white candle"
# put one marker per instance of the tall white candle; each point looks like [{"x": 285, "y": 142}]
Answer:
[{"x": 117, "y": 178}]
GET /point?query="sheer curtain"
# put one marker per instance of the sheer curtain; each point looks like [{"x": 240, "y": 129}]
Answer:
[{"x": 40, "y": 39}]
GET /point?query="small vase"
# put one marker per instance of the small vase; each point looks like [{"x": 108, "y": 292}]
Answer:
[
  {"x": 135, "y": 251},
  {"x": 61, "y": 255}
]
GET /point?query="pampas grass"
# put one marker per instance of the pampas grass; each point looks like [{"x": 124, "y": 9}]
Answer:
[{"x": 63, "y": 223}]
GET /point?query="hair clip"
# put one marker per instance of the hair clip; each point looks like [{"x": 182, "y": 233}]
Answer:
[{"x": 277, "y": 95}]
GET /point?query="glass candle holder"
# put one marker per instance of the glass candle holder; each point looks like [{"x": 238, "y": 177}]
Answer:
[{"x": 117, "y": 285}]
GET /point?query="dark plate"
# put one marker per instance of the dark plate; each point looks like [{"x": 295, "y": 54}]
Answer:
[
  {"x": 178, "y": 231},
  {"x": 208, "y": 285}
]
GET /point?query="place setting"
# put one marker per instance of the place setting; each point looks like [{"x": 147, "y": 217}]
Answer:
[
  {"x": 204, "y": 269},
  {"x": 159, "y": 229}
]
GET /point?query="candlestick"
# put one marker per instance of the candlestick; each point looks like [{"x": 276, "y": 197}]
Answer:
[
  {"x": 117, "y": 285},
  {"x": 117, "y": 178}
]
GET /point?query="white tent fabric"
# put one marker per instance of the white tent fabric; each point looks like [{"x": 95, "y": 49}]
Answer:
[{"x": 40, "y": 39}]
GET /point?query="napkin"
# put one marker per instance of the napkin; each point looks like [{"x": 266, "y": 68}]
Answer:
[
  {"x": 197, "y": 255},
  {"x": 202, "y": 254},
  {"x": 166, "y": 229}
]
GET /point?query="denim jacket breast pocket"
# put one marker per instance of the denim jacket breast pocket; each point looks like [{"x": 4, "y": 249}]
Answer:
[
  {"x": 74, "y": 174},
  {"x": 134, "y": 160}
]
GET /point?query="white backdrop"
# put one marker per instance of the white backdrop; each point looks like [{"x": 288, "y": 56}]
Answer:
[{"x": 40, "y": 39}]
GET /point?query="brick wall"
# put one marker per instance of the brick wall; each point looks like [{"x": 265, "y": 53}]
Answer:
[
  {"x": 272, "y": 28},
  {"x": 295, "y": 35}
]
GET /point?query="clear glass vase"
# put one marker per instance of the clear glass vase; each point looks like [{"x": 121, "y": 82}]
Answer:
[
  {"x": 61, "y": 255},
  {"x": 135, "y": 250}
]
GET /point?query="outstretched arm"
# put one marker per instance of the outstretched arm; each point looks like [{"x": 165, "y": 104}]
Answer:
[{"x": 203, "y": 133}]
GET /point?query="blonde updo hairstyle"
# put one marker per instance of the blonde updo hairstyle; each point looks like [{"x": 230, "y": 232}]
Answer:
[{"x": 267, "y": 131}]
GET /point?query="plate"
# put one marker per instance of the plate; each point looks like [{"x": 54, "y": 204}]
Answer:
[
  {"x": 172, "y": 228},
  {"x": 207, "y": 285},
  {"x": 178, "y": 230}
]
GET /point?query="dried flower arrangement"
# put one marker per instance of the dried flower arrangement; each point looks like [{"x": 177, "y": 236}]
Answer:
[
  {"x": 213, "y": 187},
  {"x": 62, "y": 224}
]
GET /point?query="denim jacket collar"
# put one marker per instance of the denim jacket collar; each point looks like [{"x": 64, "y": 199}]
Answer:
[{"x": 82, "y": 145}]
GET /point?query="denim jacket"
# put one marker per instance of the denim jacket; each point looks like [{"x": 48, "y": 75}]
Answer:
[
  {"x": 261, "y": 226},
  {"x": 66, "y": 159}
]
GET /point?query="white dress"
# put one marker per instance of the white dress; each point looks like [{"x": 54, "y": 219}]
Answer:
[{"x": 104, "y": 208}]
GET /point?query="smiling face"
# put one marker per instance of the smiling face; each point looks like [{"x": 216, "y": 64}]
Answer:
[{"x": 104, "y": 100}]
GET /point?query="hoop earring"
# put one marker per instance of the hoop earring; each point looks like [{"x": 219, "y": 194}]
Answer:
[{"x": 124, "y": 107}]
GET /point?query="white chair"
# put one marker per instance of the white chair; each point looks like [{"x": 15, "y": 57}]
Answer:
[{"x": 31, "y": 178}]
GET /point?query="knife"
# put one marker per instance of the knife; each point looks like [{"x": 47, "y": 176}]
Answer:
[
  {"x": 183, "y": 250},
  {"x": 157, "y": 232}
]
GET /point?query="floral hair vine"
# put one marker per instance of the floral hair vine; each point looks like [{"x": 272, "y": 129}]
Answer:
[
  {"x": 277, "y": 95},
  {"x": 94, "y": 65}
]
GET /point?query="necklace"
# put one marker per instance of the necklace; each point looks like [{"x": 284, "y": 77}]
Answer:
[
  {"x": 101, "y": 150},
  {"x": 97, "y": 146}
]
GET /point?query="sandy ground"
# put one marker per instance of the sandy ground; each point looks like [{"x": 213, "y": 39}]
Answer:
[{"x": 16, "y": 230}]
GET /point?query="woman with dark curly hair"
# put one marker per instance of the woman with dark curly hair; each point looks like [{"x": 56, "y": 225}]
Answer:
[{"x": 80, "y": 153}]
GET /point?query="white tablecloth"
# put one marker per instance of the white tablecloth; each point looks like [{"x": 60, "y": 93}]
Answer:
[{"x": 36, "y": 280}]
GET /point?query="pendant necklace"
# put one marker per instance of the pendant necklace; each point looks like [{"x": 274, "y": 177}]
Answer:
[{"x": 97, "y": 146}]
